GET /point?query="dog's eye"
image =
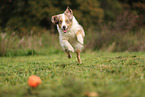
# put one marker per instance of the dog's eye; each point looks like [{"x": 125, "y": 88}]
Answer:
[
  {"x": 67, "y": 21},
  {"x": 60, "y": 21}
]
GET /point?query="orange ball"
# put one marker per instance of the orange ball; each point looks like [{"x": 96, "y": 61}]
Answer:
[{"x": 34, "y": 81}]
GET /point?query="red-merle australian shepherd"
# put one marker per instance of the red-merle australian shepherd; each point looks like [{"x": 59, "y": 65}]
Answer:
[{"x": 71, "y": 33}]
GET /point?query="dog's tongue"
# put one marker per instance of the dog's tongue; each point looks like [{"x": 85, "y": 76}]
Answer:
[{"x": 65, "y": 30}]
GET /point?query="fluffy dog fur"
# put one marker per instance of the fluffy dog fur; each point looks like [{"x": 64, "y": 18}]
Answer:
[{"x": 71, "y": 33}]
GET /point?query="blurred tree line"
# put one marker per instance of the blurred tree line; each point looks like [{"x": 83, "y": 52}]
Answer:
[
  {"x": 111, "y": 25},
  {"x": 22, "y": 15}
]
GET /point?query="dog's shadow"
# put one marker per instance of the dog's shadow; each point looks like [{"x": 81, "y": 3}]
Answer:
[{"x": 64, "y": 65}]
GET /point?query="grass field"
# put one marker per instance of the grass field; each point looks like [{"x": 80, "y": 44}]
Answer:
[{"x": 106, "y": 74}]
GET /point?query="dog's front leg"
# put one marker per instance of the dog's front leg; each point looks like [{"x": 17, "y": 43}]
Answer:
[
  {"x": 79, "y": 37},
  {"x": 67, "y": 45}
]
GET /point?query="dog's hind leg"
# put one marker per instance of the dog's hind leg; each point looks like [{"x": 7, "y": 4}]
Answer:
[
  {"x": 78, "y": 56},
  {"x": 68, "y": 54}
]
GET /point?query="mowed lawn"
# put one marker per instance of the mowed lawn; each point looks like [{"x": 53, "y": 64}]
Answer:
[{"x": 101, "y": 74}]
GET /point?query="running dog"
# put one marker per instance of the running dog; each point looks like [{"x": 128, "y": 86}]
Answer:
[{"x": 71, "y": 33}]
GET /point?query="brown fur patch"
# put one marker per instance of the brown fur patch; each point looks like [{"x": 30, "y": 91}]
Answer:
[
  {"x": 55, "y": 19},
  {"x": 60, "y": 21},
  {"x": 68, "y": 22},
  {"x": 80, "y": 32}
]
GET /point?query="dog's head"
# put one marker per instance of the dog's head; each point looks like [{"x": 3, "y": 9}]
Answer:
[{"x": 63, "y": 20}]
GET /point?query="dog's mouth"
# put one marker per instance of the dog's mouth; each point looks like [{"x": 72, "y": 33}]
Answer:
[{"x": 64, "y": 30}]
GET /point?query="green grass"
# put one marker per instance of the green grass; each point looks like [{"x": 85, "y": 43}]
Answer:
[{"x": 108, "y": 74}]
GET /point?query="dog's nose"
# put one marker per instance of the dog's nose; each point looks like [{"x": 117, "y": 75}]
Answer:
[{"x": 64, "y": 27}]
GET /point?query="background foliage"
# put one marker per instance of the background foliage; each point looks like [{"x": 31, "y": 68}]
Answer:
[{"x": 112, "y": 25}]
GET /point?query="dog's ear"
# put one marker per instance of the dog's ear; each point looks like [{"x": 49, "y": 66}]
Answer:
[
  {"x": 69, "y": 13},
  {"x": 55, "y": 19}
]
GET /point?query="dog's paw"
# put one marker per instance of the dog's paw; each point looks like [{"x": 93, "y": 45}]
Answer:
[
  {"x": 71, "y": 49},
  {"x": 69, "y": 56},
  {"x": 81, "y": 41}
]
